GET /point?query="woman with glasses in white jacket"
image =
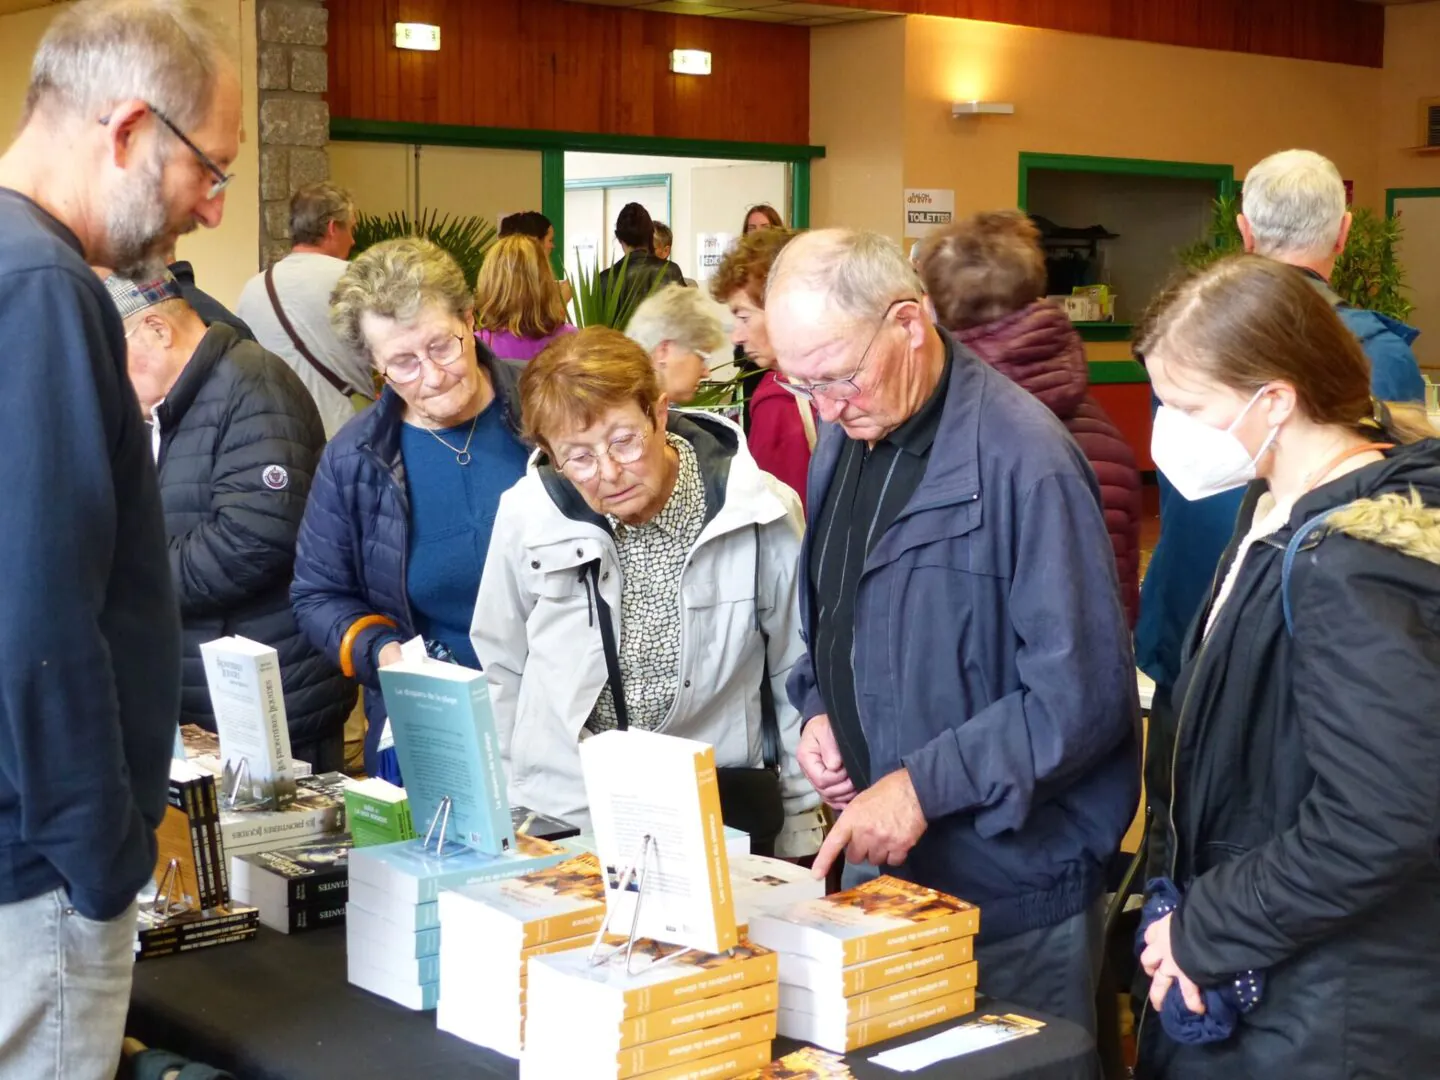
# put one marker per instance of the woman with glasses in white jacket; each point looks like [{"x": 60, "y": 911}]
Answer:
[{"x": 643, "y": 574}]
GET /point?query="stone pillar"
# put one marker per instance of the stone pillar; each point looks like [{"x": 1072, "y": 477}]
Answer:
[{"x": 294, "y": 118}]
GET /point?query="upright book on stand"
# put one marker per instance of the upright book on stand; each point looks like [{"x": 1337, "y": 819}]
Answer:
[
  {"x": 249, "y": 703},
  {"x": 449, "y": 753},
  {"x": 655, "y": 805}
]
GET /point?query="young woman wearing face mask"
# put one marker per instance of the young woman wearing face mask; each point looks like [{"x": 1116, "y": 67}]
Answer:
[{"x": 1291, "y": 929}]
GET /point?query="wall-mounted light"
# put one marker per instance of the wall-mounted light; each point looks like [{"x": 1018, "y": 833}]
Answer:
[
  {"x": 982, "y": 108},
  {"x": 415, "y": 35},
  {"x": 690, "y": 61}
]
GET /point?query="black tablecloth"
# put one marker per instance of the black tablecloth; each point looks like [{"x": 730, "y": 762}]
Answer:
[{"x": 280, "y": 1008}]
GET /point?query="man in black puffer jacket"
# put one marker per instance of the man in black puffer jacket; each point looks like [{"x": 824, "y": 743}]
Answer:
[{"x": 236, "y": 437}]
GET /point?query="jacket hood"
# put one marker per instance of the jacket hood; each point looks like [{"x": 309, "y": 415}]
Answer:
[
  {"x": 1394, "y": 503},
  {"x": 1039, "y": 350},
  {"x": 734, "y": 485},
  {"x": 1379, "y": 323}
]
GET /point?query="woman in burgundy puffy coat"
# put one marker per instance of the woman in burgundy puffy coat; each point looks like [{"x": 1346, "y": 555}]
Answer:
[{"x": 985, "y": 277}]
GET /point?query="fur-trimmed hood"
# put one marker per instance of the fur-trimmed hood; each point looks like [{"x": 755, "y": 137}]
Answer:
[{"x": 1404, "y": 523}]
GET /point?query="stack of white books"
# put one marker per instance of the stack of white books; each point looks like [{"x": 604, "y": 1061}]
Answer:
[
  {"x": 684, "y": 1013},
  {"x": 872, "y": 963},
  {"x": 392, "y": 920},
  {"x": 490, "y": 930}
]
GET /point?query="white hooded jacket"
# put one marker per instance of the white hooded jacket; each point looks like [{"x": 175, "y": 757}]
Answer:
[{"x": 536, "y": 635}]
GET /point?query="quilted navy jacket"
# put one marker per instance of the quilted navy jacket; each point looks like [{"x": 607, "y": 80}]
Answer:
[
  {"x": 351, "y": 557},
  {"x": 239, "y": 440}
]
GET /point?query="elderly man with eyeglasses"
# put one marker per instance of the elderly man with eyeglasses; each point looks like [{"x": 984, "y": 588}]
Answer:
[
  {"x": 643, "y": 576},
  {"x": 968, "y": 692},
  {"x": 400, "y": 514}
]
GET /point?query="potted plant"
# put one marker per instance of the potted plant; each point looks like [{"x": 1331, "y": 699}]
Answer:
[{"x": 466, "y": 238}]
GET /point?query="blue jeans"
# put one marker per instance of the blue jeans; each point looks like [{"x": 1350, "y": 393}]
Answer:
[{"x": 67, "y": 990}]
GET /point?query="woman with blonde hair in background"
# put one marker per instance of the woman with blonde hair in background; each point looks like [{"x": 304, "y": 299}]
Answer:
[
  {"x": 518, "y": 308},
  {"x": 1290, "y": 927},
  {"x": 678, "y": 327}
]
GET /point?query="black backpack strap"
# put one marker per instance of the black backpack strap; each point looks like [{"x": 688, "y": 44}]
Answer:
[
  {"x": 769, "y": 723},
  {"x": 295, "y": 339},
  {"x": 612, "y": 651}
]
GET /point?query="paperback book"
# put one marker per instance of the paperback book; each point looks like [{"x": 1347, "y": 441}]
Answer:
[
  {"x": 377, "y": 812},
  {"x": 407, "y": 874},
  {"x": 189, "y": 840},
  {"x": 533, "y": 823},
  {"x": 833, "y": 1033},
  {"x": 807, "y": 1063},
  {"x": 249, "y": 703},
  {"x": 298, "y": 888},
  {"x": 445, "y": 740},
  {"x": 655, "y": 807},
  {"x": 160, "y": 934},
  {"x": 318, "y": 810},
  {"x": 831, "y": 1006},
  {"x": 803, "y": 972},
  {"x": 879, "y": 918}
]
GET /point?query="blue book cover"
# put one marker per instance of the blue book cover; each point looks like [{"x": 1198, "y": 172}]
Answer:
[
  {"x": 409, "y": 874},
  {"x": 445, "y": 740}
]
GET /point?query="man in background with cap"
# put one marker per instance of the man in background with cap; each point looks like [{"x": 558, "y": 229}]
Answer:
[{"x": 237, "y": 438}]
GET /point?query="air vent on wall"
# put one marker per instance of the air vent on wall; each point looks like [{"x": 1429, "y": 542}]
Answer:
[{"x": 1428, "y": 116}]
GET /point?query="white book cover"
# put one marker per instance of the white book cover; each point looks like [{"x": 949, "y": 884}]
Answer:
[
  {"x": 655, "y": 800},
  {"x": 762, "y": 884},
  {"x": 249, "y": 703}
]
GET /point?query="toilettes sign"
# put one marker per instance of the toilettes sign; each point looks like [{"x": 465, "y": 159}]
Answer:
[{"x": 927, "y": 209}]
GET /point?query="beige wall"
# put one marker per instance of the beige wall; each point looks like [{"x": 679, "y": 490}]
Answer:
[
  {"x": 1073, "y": 94},
  {"x": 1412, "y": 72},
  {"x": 226, "y": 257},
  {"x": 857, "y": 107}
]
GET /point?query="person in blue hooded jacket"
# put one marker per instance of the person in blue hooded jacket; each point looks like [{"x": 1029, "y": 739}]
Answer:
[{"x": 1293, "y": 211}]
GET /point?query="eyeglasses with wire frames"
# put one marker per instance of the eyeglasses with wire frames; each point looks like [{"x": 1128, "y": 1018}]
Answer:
[
  {"x": 623, "y": 450},
  {"x": 846, "y": 388},
  {"x": 222, "y": 178},
  {"x": 440, "y": 354}
]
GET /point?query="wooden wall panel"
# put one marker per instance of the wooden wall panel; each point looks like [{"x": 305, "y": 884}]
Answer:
[
  {"x": 549, "y": 65},
  {"x": 1342, "y": 31}
]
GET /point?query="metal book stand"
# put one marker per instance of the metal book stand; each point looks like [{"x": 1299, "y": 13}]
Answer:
[
  {"x": 634, "y": 870},
  {"x": 165, "y": 903},
  {"x": 242, "y": 774},
  {"x": 440, "y": 822}
]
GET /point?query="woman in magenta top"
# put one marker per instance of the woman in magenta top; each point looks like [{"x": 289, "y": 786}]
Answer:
[
  {"x": 518, "y": 310},
  {"x": 780, "y": 427}
]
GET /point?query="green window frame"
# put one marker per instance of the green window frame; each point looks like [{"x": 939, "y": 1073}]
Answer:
[{"x": 1223, "y": 176}]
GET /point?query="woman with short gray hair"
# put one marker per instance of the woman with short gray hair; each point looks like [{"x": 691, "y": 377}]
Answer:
[
  {"x": 398, "y": 523},
  {"x": 677, "y": 326}
]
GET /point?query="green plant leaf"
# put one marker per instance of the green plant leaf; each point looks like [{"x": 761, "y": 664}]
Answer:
[
  {"x": 606, "y": 301},
  {"x": 466, "y": 238}
]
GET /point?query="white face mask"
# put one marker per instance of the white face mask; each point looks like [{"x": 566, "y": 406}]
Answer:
[{"x": 1201, "y": 460}]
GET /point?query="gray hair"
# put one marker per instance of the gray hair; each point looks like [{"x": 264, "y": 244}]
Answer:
[
  {"x": 395, "y": 280},
  {"x": 1295, "y": 203},
  {"x": 860, "y": 273},
  {"x": 680, "y": 314},
  {"x": 166, "y": 53},
  {"x": 314, "y": 207}
]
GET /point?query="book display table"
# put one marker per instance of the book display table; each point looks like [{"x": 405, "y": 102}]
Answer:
[{"x": 280, "y": 1008}]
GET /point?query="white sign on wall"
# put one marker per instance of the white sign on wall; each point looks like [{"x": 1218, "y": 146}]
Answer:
[
  {"x": 928, "y": 209},
  {"x": 710, "y": 248}
]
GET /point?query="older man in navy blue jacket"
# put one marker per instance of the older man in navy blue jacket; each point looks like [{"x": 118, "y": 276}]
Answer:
[{"x": 969, "y": 687}]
